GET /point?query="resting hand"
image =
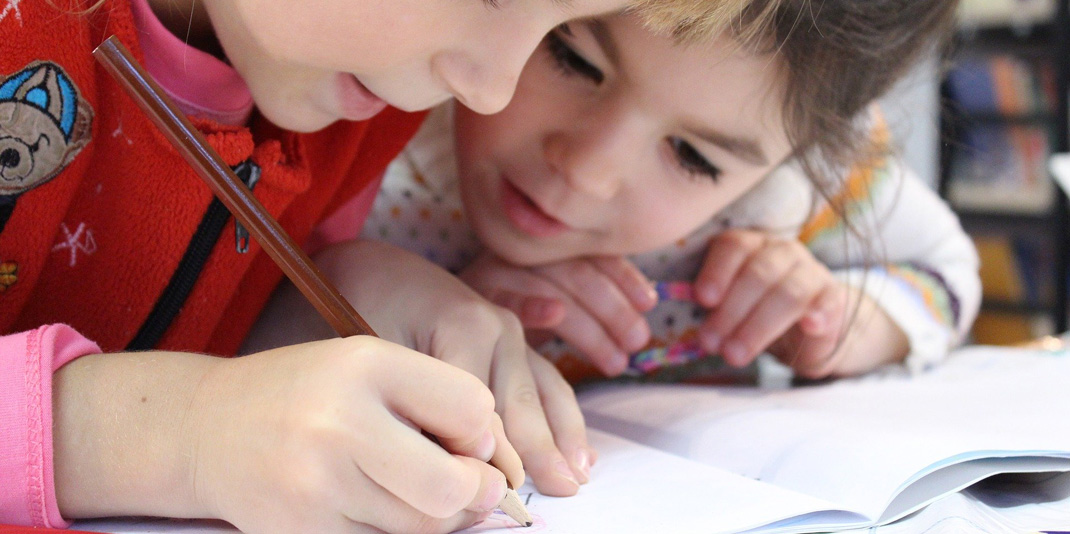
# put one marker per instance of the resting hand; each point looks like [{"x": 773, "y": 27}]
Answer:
[
  {"x": 595, "y": 304},
  {"x": 773, "y": 294},
  {"x": 760, "y": 289}
]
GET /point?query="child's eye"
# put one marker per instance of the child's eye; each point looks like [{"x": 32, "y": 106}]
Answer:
[
  {"x": 569, "y": 62},
  {"x": 691, "y": 160}
]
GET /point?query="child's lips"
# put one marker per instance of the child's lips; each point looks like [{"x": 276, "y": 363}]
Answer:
[
  {"x": 357, "y": 102},
  {"x": 527, "y": 216}
]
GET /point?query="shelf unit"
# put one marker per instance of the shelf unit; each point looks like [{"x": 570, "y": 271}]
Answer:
[{"x": 998, "y": 126}]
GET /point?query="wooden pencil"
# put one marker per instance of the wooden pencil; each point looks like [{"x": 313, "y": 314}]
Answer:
[{"x": 246, "y": 209}]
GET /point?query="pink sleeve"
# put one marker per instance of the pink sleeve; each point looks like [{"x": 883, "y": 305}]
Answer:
[
  {"x": 27, "y": 361},
  {"x": 345, "y": 223}
]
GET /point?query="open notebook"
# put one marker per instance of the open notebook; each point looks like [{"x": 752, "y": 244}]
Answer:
[{"x": 845, "y": 455}]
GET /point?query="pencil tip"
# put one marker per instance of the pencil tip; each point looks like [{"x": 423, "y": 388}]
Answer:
[{"x": 528, "y": 524}]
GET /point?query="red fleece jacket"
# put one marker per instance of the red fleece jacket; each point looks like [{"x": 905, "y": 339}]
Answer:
[{"x": 97, "y": 209}]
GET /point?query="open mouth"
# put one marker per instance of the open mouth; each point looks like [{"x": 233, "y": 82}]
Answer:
[
  {"x": 527, "y": 216},
  {"x": 357, "y": 102}
]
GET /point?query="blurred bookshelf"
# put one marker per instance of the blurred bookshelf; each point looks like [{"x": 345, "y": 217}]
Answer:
[{"x": 1004, "y": 113}]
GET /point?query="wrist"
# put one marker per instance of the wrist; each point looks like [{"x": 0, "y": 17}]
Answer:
[
  {"x": 124, "y": 434},
  {"x": 873, "y": 338}
]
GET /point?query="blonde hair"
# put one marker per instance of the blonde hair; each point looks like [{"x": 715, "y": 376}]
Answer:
[
  {"x": 77, "y": 7},
  {"x": 698, "y": 20}
]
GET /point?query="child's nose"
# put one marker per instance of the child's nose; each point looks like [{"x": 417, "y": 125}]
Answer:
[
  {"x": 483, "y": 84},
  {"x": 587, "y": 166}
]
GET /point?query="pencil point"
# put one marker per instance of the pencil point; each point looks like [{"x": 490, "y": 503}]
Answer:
[{"x": 514, "y": 508}]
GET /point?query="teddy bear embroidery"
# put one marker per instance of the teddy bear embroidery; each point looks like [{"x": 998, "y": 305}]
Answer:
[{"x": 44, "y": 124}]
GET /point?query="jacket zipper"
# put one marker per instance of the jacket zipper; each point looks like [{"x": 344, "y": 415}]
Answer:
[{"x": 189, "y": 268}]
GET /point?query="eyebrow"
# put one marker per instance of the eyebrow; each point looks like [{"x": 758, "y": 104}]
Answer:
[{"x": 746, "y": 149}]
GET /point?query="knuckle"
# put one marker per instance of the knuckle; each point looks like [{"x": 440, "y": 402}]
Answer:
[
  {"x": 479, "y": 317},
  {"x": 510, "y": 323},
  {"x": 762, "y": 269},
  {"x": 527, "y": 396}
]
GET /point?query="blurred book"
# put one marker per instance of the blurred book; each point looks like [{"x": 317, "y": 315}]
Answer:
[{"x": 988, "y": 13}]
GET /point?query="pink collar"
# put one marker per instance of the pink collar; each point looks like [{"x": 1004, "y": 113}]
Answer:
[{"x": 201, "y": 84}]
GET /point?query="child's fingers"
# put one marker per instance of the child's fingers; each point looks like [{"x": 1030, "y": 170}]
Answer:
[
  {"x": 819, "y": 353},
  {"x": 602, "y": 299},
  {"x": 488, "y": 344},
  {"x": 762, "y": 271},
  {"x": 564, "y": 416},
  {"x": 827, "y": 312},
  {"x": 473, "y": 337},
  {"x": 727, "y": 254},
  {"x": 444, "y": 401},
  {"x": 776, "y": 311},
  {"x": 528, "y": 428},
  {"x": 631, "y": 281},
  {"x": 433, "y": 481},
  {"x": 535, "y": 300},
  {"x": 812, "y": 357},
  {"x": 366, "y": 504},
  {"x": 587, "y": 336},
  {"x": 533, "y": 311}
]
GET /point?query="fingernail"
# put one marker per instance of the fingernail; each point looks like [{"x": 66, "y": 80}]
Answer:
[
  {"x": 707, "y": 294},
  {"x": 564, "y": 471},
  {"x": 583, "y": 464},
  {"x": 615, "y": 364},
  {"x": 734, "y": 352},
  {"x": 637, "y": 335},
  {"x": 649, "y": 295},
  {"x": 486, "y": 447}
]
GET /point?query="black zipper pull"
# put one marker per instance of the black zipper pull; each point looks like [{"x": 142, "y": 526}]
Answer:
[{"x": 249, "y": 173}]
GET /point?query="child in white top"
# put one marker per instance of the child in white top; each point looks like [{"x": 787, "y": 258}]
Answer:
[{"x": 600, "y": 177}]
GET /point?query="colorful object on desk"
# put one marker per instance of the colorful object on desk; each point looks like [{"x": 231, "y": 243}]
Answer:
[
  {"x": 675, "y": 290},
  {"x": 684, "y": 350}
]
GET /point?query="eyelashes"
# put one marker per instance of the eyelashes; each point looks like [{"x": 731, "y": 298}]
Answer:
[
  {"x": 691, "y": 160},
  {"x": 569, "y": 62}
]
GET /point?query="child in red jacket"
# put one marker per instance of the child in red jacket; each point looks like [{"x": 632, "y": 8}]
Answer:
[{"x": 110, "y": 243}]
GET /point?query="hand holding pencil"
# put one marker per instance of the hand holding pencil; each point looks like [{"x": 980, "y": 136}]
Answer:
[{"x": 448, "y": 412}]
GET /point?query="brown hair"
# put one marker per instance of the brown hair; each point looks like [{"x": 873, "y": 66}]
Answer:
[{"x": 838, "y": 57}]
